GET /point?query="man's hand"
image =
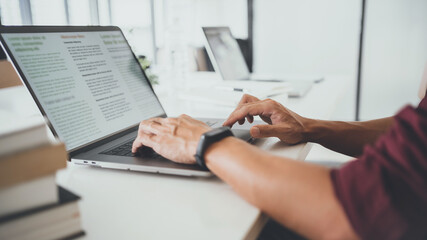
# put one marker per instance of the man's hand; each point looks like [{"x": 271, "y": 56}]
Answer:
[
  {"x": 173, "y": 138},
  {"x": 288, "y": 126}
]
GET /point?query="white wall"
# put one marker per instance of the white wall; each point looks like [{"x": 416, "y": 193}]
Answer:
[
  {"x": 190, "y": 15},
  {"x": 308, "y": 37},
  {"x": 322, "y": 37},
  {"x": 395, "y": 54}
]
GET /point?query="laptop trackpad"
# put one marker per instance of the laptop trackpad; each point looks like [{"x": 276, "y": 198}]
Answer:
[{"x": 243, "y": 134}]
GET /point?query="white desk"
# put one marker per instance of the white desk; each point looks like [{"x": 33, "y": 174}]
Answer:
[{"x": 129, "y": 205}]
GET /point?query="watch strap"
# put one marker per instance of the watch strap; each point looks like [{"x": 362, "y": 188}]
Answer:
[{"x": 207, "y": 139}]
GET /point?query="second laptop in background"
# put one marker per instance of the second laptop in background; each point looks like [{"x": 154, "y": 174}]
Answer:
[{"x": 228, "y": 60}]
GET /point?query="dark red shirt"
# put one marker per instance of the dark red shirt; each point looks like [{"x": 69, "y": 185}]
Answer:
[{"x": 384, "y": 192}]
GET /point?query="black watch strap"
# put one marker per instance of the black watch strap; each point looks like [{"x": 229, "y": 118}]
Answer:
[{"x": 207, "y": 139}]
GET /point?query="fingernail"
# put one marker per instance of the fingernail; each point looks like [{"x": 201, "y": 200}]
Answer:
[{"x": 255, "y": 132}]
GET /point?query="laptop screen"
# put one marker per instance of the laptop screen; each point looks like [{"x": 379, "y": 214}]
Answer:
[
  {"x": 89, "y": 84},
  {"x": 227, "y": 54}
]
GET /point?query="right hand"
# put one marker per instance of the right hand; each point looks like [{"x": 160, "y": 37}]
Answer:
[{"x": 288, "y": 126}]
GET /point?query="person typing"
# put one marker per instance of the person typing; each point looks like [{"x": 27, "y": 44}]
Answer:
[{"x": 380, "y": 195}]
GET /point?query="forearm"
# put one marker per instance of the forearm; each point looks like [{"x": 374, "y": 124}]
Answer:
[
  {"x": 297, "y": 194},
  {"x": 346, "y": 137}
]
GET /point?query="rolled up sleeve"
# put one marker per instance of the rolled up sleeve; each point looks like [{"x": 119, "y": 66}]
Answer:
[{"x": 384, "y": 192}]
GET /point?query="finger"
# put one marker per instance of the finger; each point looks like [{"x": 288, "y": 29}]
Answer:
[
  {"x": 244, "y": 100},
  {"x": 231, "y": 120},
  {"x": 263, "y": 131},
  {"x": 228, "y": 122},
  {"x": 141, "y": 131},
  {"x": 136, "y": 144},
  {"x": 185, "y": 116},
  {"x": 152, "y": 127},
  {"x": 267, "y": 120},
  {"x": 145, "y": 140},
  {"x": 151, "y": 120},
  {"x": 158, "y": 120},
  {"x": 250, "y": 118},
  {"x": 150, "y": 140},
  {"x": 254, "y": 109},
  {"x": 241, "y": 121},
  {"x": 171, "y": 121},
  {"x": 247, "y": 99}
]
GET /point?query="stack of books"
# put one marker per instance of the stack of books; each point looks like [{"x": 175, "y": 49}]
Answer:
[{"x": 32, "y": 206}]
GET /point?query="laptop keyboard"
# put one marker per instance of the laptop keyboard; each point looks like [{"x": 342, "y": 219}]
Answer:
[
  {"x": 125, "y": 149},
  {"x": 210, "y": 123}
]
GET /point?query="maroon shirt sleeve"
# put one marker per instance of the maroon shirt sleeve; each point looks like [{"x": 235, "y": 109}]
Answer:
[{"x": 384, "y": 192}]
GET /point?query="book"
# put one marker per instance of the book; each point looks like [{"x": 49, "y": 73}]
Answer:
[
  {"x": 9, "y": 77},
  {"x": 31, "y": 164},
  {"x": 60, "y": 220},
  {"x": 27, "y": 195},
  {"x": 18, "y": 133}
]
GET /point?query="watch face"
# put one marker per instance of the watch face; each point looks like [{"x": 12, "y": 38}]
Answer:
[{"x": 215, "y": 131}]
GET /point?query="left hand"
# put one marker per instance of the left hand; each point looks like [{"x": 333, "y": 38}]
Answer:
[{"x": 173, "y": 138}]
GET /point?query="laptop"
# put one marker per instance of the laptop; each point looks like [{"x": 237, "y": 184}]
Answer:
[
  {"x": 227, "y": 59},
  {"x": 92, "y": 91}
]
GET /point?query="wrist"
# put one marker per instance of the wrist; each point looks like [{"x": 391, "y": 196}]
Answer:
[
  {"x": 207, "y": 139},
  {"x": 217, "y": 147},
  {"x": 313, "y": 130}
]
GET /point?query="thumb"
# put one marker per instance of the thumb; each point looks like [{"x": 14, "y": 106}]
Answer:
[{"x": 262, "y": 131}]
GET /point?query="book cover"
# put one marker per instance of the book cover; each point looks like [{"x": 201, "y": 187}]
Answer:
[
  {"x": 64, "y": 195},
  {"x": 27, "y": 195},
  {"x": 19, "y": 133},
  {"x": 60, "y": 220},
  {"x": 31, "y": 164}
]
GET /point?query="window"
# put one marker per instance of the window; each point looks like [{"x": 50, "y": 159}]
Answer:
[
  {"x": 177, "y": 22},
  {"x": 132, "y": 16},
  {"x": 48, "y": 12},
  {"x": 79, "y": 12},
  {"x": 104, "y": 12},
  {"x": 10, "y": 12}
]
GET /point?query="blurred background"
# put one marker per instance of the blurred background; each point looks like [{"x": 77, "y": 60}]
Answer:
[{"x": 319, "y": 37}]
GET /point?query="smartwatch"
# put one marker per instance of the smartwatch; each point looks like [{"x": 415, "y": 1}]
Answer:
[{"x": 208, "y": 139}]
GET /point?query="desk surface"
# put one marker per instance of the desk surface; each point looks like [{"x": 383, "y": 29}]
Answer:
[{"x": 130, "y": 205}]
